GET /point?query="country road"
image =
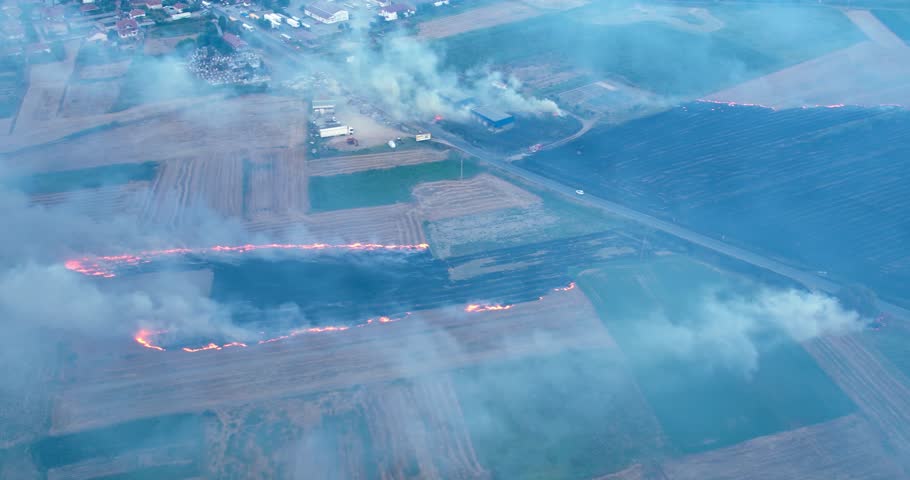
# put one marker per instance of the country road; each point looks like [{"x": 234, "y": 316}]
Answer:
[{"x": 808, "y": 279}]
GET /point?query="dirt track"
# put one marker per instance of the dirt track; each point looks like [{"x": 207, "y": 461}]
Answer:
[{"x": 157, "y": 383}]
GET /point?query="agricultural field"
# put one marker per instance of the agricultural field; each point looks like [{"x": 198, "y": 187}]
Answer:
[
  {"x": 898, "y": 21},
  {"x": 169, "y": 446},
  {"x": 846, "y": 447},
  {"x": 552, "y": 220},
  {"x": 871, "y": 72},
  {"x": 426, "y": 342},
  {"x": 202, "y": 127},
  {"x": 767, "y": 180},
  {"x": 13, "y": 85},
  {"x": 381, "y": 187},
  {"x": 456, "y": 198},
  {"x": 378, "y": 161},
  {"x": 89, "y": 98},
  {"x": 476, "y": 19},
  {"x": 69, "y": 180},
  {"x": 576, "y": 414},
  {"x": 183, "y": 186},
  {"x": 874, "y": 384},
  {"x": 726, "y": 402},
  {"x": 275, "y": 183},
  {"x": 692, "y": 63}
]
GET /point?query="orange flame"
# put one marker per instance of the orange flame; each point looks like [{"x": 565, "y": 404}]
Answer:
[
  {"x": 142, "y": 339},
  {"x": 570, "y": 286},
  {"x": 475, "y": 308},
  {"x": 103, "y": 266}
]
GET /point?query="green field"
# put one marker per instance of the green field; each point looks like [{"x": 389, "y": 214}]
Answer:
[
  {"x": 68, "y": 180},
  {"x": 704, "y": 398},
  {"x": 575, "y": 415},
  {"x": 52, "y": 452},
  {"x": 658, "y": 57},
  {"x": 381, "y": 187}
]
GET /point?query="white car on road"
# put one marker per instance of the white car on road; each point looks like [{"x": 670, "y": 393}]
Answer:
[{"x": 580, "y": 192}]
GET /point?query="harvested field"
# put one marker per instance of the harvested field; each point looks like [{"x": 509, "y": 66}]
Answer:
[
  {"x": 843, "y": 448},
  {"x": 483, "y": 193},
  {"x": 64, "y": 129},
  {"x": 767, "y": 180},
  {"x": 418, "y": 427},
  {"x": 875, "y": 29},
  {"x": 104, "y": 71},
  {"x": 211, "y": 182},
  {"x": 477, "y": 19},
  {"x": 387, "y": 224},
  {"x": 47, "y": 82},
  {"x": 359, "y": 163},
  {"x": 495, "y": 229},
  {"x": 874, "y": 72},
  {"x": 682, "y": 18},
  {"x": 252, "y": 123},
  {"x": 864, "y": 74},
  {"x": 275, "y": 183},
  {"x": 162, "y": 46},
  {"x": 571, "y": 415},
  {"x": 98, "y": 203},
  {"x": 880, "y": 391},
  {"x": 163, "y": 382},
  {"x": 89, "y": 98}
]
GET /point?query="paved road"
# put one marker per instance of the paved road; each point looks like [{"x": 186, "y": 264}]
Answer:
[{"x": 810, "y": 280}]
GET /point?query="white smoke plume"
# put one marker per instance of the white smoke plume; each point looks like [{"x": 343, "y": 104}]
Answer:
[
  {"x": 729, "y": 332},
  {"x": 409, "y": 78}
]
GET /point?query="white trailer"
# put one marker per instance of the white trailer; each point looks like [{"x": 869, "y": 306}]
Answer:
[
  {"x": 293, "y": 23},
  {"x": 335, "y": 131}
]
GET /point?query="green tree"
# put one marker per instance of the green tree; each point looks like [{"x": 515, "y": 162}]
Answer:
[{"x": 222, "y": 23}]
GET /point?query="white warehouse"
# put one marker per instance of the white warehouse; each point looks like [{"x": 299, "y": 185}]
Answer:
[{"x": 326, "y": 12}]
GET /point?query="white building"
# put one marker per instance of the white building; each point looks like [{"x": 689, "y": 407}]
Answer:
[
  {"x": 396, "y": 11},
  {"x": 326, "y": 12}
]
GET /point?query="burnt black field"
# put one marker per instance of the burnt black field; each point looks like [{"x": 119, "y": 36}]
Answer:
[
  {"x": 824, "y": 188},
  {"x": 279, "y": 292}
]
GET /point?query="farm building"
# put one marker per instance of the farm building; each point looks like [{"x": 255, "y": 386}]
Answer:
[
  {"x": 323, "y": 107},
  {"x": 326, "y": 12},
  {"x": 396, "y": 11},
  {"x": 492, "y": 118}
]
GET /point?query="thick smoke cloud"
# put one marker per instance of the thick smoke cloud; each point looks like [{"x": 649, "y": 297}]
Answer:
[
  {"x": 409, "y": 79},
  {"x": 730, "y": 331}
]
